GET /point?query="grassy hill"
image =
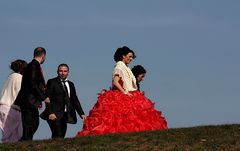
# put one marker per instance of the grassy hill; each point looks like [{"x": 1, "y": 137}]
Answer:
[{"x": 202, "y": 138}]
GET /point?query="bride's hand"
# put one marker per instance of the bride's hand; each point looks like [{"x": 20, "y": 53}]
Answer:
[{"x": 129, "y": 94}]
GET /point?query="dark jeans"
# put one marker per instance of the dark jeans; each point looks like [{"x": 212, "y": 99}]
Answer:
[
  {"x": 58, "y": 127},
  {"x": 30, "y": 121}
]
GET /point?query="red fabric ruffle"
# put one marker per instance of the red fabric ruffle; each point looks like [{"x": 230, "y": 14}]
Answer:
[{"x": 116, "y": 112}]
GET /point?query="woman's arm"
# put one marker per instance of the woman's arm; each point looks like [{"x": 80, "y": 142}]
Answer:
[{"x": 116, "y": 83}]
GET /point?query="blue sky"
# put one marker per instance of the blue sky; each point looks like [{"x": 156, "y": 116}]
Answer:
[{"x": 189, "y": 48}]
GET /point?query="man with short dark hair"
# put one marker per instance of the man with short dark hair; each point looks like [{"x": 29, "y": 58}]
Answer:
[
  {"x": 63, "y": 103},
  {"x": 32, "y": 93}
]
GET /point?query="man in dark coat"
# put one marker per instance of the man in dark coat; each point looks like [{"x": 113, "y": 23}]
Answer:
[
  {"x": 63, "y": 103},
  {"x": 32, "y": 93}
]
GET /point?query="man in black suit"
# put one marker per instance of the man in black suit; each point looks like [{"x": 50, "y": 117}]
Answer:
[
  {"x": 31, "y": 94},
  {"x": 63, "y": 103}
]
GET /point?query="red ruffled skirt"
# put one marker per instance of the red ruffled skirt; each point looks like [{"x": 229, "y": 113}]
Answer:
[{"x": 116, "y": 112}]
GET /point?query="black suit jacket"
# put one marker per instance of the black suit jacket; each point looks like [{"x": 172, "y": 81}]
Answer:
[
  {"x": 59, "y": 99},
  {"x": 32, "y": 91}
]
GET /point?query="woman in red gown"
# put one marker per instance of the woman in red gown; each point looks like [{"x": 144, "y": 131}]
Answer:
[{"x": 123, "y": 108}]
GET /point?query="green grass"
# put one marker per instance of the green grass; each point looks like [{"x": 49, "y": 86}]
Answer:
[{"x": 202, "y": 138}]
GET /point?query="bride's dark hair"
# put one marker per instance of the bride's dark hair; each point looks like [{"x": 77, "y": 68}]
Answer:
[{"x": 123, "y": 51}]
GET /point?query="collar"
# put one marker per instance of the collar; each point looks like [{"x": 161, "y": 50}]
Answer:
[
  {"x": 63, "y": 80},
  {"x": 36, "y": 62}
]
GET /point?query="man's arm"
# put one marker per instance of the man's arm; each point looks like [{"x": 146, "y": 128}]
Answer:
[
  {"x": 38, "y": 93},
  {"x": 76, "y": 102},
  {"x": 49, "y": 93}
]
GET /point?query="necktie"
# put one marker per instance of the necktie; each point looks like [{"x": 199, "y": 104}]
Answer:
[
  {"x": 65, "y": 87},
  {"x": 67, "y": 100}
]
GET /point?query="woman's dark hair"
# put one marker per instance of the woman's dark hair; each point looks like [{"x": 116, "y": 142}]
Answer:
[
  {"x": 137, "y": 70},
  {"x": 123, "y": 51},
  {"x": 18, "y": 66}
]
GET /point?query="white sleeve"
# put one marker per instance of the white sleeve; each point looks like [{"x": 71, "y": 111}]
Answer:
[
  {"x": 17, "y": 83},
  {"x": 117, "y": 72}
]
